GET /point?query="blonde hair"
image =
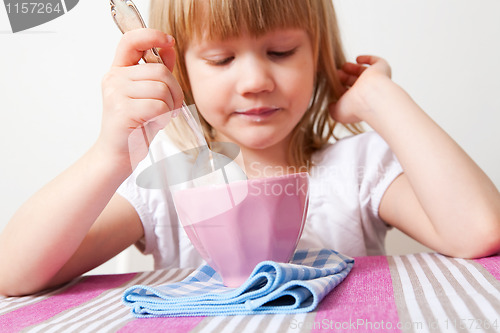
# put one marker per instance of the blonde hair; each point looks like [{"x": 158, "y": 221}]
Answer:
[{"x": 220, "y": 19}]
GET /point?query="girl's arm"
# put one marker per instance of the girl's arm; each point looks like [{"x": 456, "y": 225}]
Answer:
[
  {"x": 48, "y": 242},
  {"x": 443, "y": 199},
  {"x": 76, "y": 221}
]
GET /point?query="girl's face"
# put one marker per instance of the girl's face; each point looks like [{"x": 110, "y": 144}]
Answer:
[{"x": 253, "y": 90}]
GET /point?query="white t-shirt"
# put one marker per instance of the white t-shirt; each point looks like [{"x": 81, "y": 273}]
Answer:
[{"x": 347, "y": 182}]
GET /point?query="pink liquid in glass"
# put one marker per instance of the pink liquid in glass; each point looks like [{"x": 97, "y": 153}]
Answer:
[{"x": 236, "y": 226}]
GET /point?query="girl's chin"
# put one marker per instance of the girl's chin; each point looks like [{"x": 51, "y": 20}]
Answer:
[
  {"x": 257, "y": 143},
  {"x": 253, "y": 139}
]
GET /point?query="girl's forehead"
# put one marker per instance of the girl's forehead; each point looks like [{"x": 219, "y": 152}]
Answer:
[
  {"x": 278, "y": 36},
  {"x": 219, "y": 20}
]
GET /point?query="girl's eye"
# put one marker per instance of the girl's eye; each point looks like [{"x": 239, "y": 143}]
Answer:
[
  {"x": 282, "y": 54},
  {"x": 219, "y": 62}
]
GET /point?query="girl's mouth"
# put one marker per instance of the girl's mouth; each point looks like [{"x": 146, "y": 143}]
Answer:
[{"x": 257, "y": 114}]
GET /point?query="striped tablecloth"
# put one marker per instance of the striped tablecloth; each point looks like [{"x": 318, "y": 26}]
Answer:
[{"x": 411, "y": 293}]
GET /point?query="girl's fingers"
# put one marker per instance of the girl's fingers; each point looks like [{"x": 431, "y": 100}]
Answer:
[
  {"x": 367, "y": 59},
  {"x": 133, "y": 44},
  {"x": 142, "y": 111},
  {"x": 350, "y": 72},
  {"x": 134, "y": 113},
  {"x": 347, "y": 79},
  {"x": 353, "y": 69},
  {"x": 151, "y": 90},
  {"x": 168, "y": 57},
  {"x": 156, "y": 72},
  {"x": 168, "y": 85},
  {"x": 375, "y": 61}
]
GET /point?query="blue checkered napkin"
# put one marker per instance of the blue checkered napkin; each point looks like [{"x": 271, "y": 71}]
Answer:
[{"x": 272, "y": 287}]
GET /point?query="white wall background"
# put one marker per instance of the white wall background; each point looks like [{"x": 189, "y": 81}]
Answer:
[{"x": 445, "y": 53}]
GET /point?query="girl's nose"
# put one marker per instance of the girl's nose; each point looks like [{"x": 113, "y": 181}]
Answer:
[{"x": 254, "y": 76}]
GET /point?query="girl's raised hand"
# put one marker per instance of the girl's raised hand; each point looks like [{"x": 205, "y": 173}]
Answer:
[
  {"x": 358, "y": 79},
  {"x": 135, "y": 94}
]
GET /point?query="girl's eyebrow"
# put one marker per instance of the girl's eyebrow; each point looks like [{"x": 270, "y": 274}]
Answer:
[
  {"x": 210, "y": 48},
  {"x": 287, "y": 33},
  {"x": 280, "y": 37},
  {"x": 209, "y": 44}
]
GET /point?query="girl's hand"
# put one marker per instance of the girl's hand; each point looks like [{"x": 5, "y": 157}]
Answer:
[
  {"x": 359, "y": 80},
  {"x": 135, "y": 94}
]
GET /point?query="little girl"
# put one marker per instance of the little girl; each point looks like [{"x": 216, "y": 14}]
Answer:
[{"x": 269, "y": 76}]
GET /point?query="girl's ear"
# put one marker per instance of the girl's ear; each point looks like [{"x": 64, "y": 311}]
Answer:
[{"x": 168, "y": 57}]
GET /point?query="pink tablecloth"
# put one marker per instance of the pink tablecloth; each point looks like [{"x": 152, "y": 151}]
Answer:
[{"x": 411, "y": 293}]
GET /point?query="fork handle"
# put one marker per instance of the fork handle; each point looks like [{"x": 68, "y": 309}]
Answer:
[{"x": 152, "y": 56}]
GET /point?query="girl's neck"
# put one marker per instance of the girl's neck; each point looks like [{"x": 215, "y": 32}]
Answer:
[
  {"x": 263, "y": 162},
  {"x": 259, "y": 163}
]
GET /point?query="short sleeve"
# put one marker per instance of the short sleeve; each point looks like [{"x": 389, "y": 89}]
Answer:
[
  {"x": 381, "y": 168},
  {"x": 129, "y": 190},
  {"x": 164, "y": 236},
  {"x": 347, "y": 183}
]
